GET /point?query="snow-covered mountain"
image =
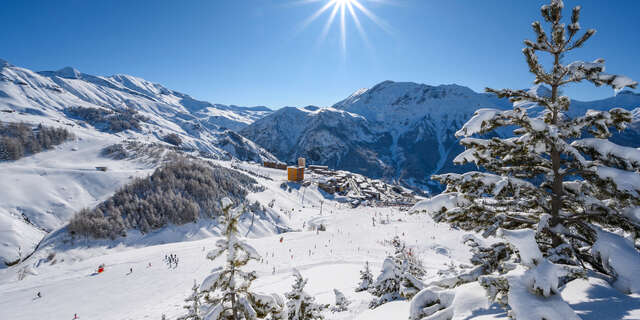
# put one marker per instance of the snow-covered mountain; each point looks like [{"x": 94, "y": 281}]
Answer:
[
  {"x": 399, "y": 131},
  {"x": 39, "y": 193},
  {"x": 48, "y": 95}
]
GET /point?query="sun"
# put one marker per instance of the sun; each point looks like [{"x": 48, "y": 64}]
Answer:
[{"x": 342, "y": 9}]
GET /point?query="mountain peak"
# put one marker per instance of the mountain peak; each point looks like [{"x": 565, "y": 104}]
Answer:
[
  {"x": 4, "y": 63},
  {"x": 69, "y": 73},
  {"x": 312, "y": 108}
]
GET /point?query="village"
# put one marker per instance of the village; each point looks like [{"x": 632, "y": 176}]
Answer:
[{"x": 355, "y": 188}]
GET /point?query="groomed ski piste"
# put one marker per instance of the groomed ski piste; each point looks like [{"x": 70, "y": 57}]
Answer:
[{"x": 137, "y": 283}]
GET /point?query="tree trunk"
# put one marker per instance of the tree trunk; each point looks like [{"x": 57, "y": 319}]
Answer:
[{"x": 556, "y": 188}]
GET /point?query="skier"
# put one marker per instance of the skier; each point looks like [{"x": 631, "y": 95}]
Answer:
[
  {"x": 75, "y": 316},
  {"x": 39, "y": 295},
  {"x": 281, "y": 239}
]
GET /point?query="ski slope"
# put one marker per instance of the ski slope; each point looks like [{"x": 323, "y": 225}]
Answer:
[
  {"x": 41, "y": 192},
  {"x": 330, "y": 259}
]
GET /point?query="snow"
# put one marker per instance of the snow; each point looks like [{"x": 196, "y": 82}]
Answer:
[
  {"x": 594, "y": 298},
  {"x": 437, "y": 203},
  {"x": 70, "y": 286},
  {"x": 528, "y": 306},
  {"x": 619, "y": 255},
  {"x": 475, "y": 124},
  {"x": 626, "y": 181},
  {"x": 50, "y": 186},
  {"x": 621, "y": 82},
  {"x": 525, "y": 242},
  {"x": 58, "y": 182},
  {"x": 41, "y": 192},
  {"x": 606, "y": 149}
]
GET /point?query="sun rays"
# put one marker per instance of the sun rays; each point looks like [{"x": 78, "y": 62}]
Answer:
[{"x": 339, "y": 11}]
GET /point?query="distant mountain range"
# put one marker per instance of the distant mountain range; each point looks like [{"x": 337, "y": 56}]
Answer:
[
  {"x": 398, "y": 131},
  {"x": 201, "y": 125}
]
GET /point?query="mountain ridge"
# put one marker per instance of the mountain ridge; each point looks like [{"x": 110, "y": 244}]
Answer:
[{"x": 409, "y": 129}]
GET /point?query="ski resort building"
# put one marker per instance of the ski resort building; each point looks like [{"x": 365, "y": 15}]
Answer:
[
  {"x": 274, "y": 165},
  {"x": 295, "y": 173}
]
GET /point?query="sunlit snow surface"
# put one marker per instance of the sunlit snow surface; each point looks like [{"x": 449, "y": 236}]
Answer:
[{"x": 70, "y": 287}]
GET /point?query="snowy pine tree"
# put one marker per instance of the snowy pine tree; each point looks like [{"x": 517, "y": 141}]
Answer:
[
  {"x": 301, "y": 305},
  {"x": 400, "y": 277},
  {"x": 366, "y": 278},
  {"x": 193, "y": 304},
  {"x": 227, "y": 288},
  {"x": 556, "y": 189},
  {"x": 342, "y": 303}
]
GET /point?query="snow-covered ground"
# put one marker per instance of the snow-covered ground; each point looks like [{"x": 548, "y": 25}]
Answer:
[
  {"x": 330, "y": 259},
  {"x": 40, "y": 193}
]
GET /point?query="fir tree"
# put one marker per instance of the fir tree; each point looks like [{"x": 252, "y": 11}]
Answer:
[
  {"x": 554, "y": 187},
  {"x": 227, "y": 289},
  {"x": 301, "y": 305},
  {"x": 193, "y": 304},
  {"x": 400, "y": 277},
  {"x": 342, "y": 303},
  {"x": 366, "y": 278}
]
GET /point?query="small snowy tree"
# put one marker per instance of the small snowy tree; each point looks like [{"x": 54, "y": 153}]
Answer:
[
  {"x": 342, "y": 303},
  {"x": 553, "y": 188},
  {"x": 400, "y": 277},
  {"x": 227, "y": 289},
  {"x": 366, "y": 278},
  {"x": 301, "y": 305},
  {"x": 193, "y": 304}
]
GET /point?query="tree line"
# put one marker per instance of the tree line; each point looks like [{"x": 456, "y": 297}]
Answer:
[
  {"x": 179, "y": 192},
  {"x": 18, "y": 139}
]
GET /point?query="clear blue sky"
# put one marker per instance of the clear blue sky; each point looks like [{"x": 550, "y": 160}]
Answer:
[{"x": 253, "y": 52}]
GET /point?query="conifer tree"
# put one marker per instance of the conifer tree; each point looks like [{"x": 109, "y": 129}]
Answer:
[
  {"x": 400, "y": 277},
  {"x": 342, "y": 303},
  {"x": 301, "y": 305},
  {"x": 366, "y": 278},
  {"x": 193, "y": 304},
  {"x": 227, "y": 289},
  {"x": 555, "y": 189}
]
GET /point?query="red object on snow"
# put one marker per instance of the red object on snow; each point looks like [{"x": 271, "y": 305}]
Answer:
[{"x": 101, "y": 269}]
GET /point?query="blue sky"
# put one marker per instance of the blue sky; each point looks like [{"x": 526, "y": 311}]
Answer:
[{"x": 254, "y": 52}]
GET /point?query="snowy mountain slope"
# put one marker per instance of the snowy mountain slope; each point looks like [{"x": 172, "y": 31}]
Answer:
[
  {"x": 201, "y": 125},
  {"x": 41, "y": 192},
  {"x": 69, "y": 285},
  {"x": 322, "y": 135},
  {"x": 405, "y": 131}
]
